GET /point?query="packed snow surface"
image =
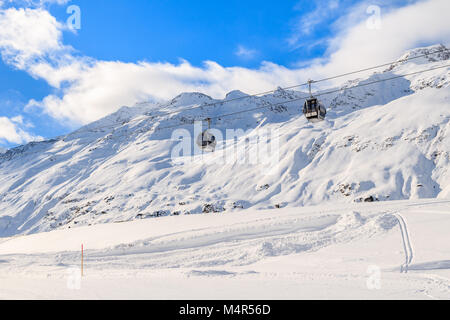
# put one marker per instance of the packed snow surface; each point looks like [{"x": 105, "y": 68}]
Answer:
[{"x": 347, "y": 251}]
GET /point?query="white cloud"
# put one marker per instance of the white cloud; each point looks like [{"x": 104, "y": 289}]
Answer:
[
  {"x": 17, "y": 119},
  {"x": 308, "y": 22},
  {"x": 105, "y": 86},
  {"x": 245, "y": 53},
  {"x": 421, "y": 23},
  {"x": 11, "y": 131},
  {"x": 88, "y": 89},
  {"x": 28, "y": 36}
]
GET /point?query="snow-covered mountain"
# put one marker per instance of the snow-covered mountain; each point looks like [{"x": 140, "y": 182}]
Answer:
[{"x": 384, "y": 141}]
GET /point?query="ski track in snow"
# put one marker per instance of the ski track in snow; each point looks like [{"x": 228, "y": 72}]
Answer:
[{"x": 409, "y": 253}]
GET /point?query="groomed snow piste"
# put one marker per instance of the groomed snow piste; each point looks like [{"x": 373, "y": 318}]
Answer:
[{"x": 329, "y": 252}]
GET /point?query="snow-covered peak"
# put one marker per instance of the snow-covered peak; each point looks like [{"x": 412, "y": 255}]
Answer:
[
  {"x": 121, "y": 116},
  {"x": 434, "y": 53},
  {"x": 191, "y": 98},
  {"x": 235, "y": 94}
]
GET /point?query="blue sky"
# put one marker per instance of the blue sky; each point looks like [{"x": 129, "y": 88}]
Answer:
[
  {"x": 54, "y": 80},
  {"x": 192, "y": 30}
]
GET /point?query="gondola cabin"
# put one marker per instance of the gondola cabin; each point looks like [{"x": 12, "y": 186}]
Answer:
[
  {"x": 207, "y": 141},
  {"x": 313, "y": 110}
]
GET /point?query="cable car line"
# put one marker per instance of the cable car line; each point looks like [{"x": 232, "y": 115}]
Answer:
[
  {"x": 306, "y": 97},
  {"x": 210, "y": 143},
  {"x": 285, "y": 88},
  {"x": 306, "y": 83}
]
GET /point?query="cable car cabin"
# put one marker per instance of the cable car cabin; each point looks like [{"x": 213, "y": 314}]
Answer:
[
  {"x": 313, "y": 110},
  {"x": 206, "y": 141}
]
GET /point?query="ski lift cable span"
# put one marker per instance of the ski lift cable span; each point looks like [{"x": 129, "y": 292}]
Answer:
[
  {"x": 306, "y": 97},
  {"x": 307, "y": 83},
  {"x": 290, "y": 87},
  {"x": 210, "y": 142},
  {"x": 219, "y": 117}
]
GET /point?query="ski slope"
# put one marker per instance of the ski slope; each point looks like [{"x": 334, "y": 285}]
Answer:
[{"x": 317, "y": 252}]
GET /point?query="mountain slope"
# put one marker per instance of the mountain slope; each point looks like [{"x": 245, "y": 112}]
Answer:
[{"x": 384, "y": 141}]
